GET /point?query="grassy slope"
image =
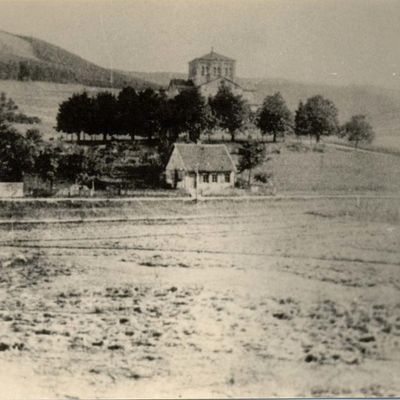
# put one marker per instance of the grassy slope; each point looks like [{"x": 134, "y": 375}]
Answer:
[
  {"x": 41, "y": 99},
  {"x": 336, "y": 170}
]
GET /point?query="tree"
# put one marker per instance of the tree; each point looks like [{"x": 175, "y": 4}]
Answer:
[
  {"x": 301, "y": 121},
  {"x": 75, "y": 115},
  {"x": 103, "y": 115},
  {"x": 191, "y": 112},
  {"x": 317, "y": 117},
  {"x": 17, "y": 155},
  {"x": 275, "y": 117},
  {"x": 230, "y": 110},
  {"x": 128, "y": 112},
  {"x": 47, "y": 163},
  {"x": 252, "y": 154},
  {"x": 358, "y": 130},
  {"x": 148, "y": 121}
]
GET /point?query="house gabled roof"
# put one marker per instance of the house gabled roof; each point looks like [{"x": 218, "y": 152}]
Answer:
[
  {"x": 181, "y": 84},
  {"x": 221, "y": 78},
  {"x": 205, "y": 157},
  {"x": 213, "y": 56}
]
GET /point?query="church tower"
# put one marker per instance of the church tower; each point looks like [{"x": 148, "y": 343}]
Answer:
[{"x": 211, "y": 66}]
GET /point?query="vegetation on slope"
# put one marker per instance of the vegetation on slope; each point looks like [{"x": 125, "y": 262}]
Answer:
[{"x": 29, "y": 59}]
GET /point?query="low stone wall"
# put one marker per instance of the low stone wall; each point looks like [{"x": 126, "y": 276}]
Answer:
[{"x": 11, "y": 189}]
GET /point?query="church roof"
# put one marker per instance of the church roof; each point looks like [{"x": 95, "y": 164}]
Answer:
[
  {"x": 205, "y": 157},
  {"x": 213, "y": 56},
  {"x": 221, "y": 78}
]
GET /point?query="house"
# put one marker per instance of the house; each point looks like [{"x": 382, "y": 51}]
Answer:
[{"x": 200, "y": 168}]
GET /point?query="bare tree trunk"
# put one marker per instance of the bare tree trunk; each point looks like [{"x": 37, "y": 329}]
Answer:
[
  {"x": 249, "y": 181},
  {"x": 232, "y": 136}
]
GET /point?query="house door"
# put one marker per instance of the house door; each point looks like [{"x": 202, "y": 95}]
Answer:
[{"x": 191, "y": 181}]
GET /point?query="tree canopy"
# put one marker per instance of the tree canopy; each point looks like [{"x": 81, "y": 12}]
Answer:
[
  {"x": 317, "y": 117},
  {"x": 17, "y": 154},
  {"x": 275, "y": 117},
  {"x": 358, "y": 130},
  {"x": 231, "y": 111},
  {"x": 75, "y": 115},
  {"x": 251, "y": 154}
]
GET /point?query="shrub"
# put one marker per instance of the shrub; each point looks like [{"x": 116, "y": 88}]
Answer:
[
  {"x": 241, "y": 183},
  {"x": 263, "y": 177}
]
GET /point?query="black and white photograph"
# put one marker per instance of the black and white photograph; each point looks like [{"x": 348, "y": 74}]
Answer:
[{"x": 199, "y": 199}]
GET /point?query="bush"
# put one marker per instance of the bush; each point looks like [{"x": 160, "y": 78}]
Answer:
[
  {"x": 241, "y": 183},
  {"x": 263, "y": 177}
]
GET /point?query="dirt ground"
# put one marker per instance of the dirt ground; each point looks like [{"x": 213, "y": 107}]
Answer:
[{"x": 282, "y": 299}]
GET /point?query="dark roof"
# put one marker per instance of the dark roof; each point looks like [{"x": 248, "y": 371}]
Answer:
[
  {"x": 213, "y": 56},
  {"x": 181, "y": 82},
  {"x": 205, "y": 157}
]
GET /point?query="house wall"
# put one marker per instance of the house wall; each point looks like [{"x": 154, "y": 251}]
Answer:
[
  {"x": 11, "y": 189},
  {"x": 215, "y": 187},
  {"x": 174, "y": 164},
  {"x": 188, "y": 182}
]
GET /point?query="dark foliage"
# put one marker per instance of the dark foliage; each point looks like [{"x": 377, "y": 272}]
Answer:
[
  {"x": 275, "y": 117},
  {"x": 317, "y": 117},
  {"x": 231, "y": 111}
]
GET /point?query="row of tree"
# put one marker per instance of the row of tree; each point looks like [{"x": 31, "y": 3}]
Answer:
[
  {"x": 315, "y": 118},
  {"x": 150, "y": 114}
]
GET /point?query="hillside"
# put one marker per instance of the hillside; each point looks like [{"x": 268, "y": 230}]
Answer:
[
  {"x": 29, "y": 59},
  {"x": 26, "y": 64},
  {"x": 42, "y": 99}
]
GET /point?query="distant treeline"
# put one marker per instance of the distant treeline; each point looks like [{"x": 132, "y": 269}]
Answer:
[{"x": 32, "y": 70}]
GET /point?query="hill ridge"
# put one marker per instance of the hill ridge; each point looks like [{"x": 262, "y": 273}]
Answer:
[{"x": 26, "y": 58}]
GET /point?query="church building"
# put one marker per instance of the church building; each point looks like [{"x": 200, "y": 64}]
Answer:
[{"x": 208, "y": 73}]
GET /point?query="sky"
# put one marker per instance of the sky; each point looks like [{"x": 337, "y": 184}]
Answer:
[{"x": 326, "y": 41}]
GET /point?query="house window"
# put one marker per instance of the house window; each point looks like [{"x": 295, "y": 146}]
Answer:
[
  {"x": 214, "y": 178},
  {"x": 227, "y": 176},
  {"x": 215, "y": 70},
  {"x": 219, "y": 71},
  {"x": 205, "y": 178},
  {"x": 202, "y": 70}
]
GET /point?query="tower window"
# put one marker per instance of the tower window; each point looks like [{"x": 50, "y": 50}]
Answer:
[
  {"x": 215, "y": 70},
  {"x": 202, "y": 70},
  {"x": 219, "y": 70}
]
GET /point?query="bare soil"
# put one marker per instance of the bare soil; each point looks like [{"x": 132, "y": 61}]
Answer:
[{"x": 276, "y": 299}]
